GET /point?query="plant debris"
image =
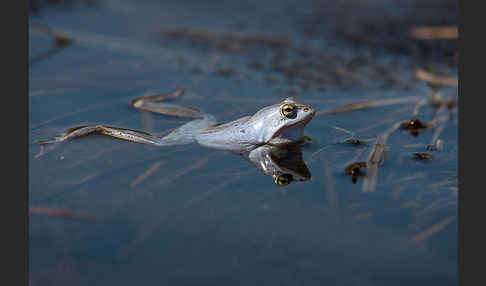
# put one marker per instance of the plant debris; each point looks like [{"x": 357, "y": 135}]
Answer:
[
  {"x": 422, "y": 156},
  {"x": 355, "y": 169},
  {"x": 63, "y": 213},
  {"x": 413, "y": 124},
  {"x": 435, "y": 80},
  {"x": 434, "y": 33},
  {"x": 358, "y": 141}
]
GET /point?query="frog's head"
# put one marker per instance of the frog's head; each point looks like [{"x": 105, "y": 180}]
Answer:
[{"x": 283, "y": 122}]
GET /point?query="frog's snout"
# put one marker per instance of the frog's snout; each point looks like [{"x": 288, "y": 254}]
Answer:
[{"x": 309, "y": 110}]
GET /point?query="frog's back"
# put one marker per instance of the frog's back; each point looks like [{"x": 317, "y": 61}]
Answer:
[{"x": 234, "y": 136}]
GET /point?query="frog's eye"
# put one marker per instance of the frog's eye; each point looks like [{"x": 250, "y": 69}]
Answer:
[
  {"x": 283, "y": 180},
  {"x": 288, "y": 110}
]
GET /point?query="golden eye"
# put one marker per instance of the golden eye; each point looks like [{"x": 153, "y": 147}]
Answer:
[
  {"x": 288, "y": 110},
  {"x": 283, "y": 180}
]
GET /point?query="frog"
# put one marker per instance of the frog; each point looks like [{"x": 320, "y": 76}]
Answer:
[{"x": 275, "y": 125}]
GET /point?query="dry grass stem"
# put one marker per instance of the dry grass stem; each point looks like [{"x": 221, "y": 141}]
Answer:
[
  {"x": 435, "y": 79},
  {"x": 95, "y": 156},
  {"x": 369, "y": 104},
  {"x": 398, "y": 190},
  {"x": 50, "y": 52},
  {"x": 443, "y": 183},
  {"x": 376, "y": 156},
  {"x": 419, "y": 105},
  {"x": 435, "y": 33},
  {"x": 330, "y": 189},
  {"x": 418, "y": 145},
  {"x": 60, "y": 213},
  {"x": 216, "y": 188},
  {"x": 424, "y": 235},
  {"x": 435, "y": 205},
  {"x": 415, "y": 176},
  {"x": 147, "y": 173},
  {"x": 87, "y": 178},
  {"x": 198, "y": 165}
]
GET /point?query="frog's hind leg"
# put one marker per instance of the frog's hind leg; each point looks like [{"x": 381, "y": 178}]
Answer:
[
  {"x": 122, "y": 133},
  {"x": 156, "y": 104},
  {"x": 153, "y": 103},
  {"x": 187, "y": 132},
  {"x": 182, "y": 135}
]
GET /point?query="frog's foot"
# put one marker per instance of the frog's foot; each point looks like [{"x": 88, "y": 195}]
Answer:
[{"x": 122, "y": 133}]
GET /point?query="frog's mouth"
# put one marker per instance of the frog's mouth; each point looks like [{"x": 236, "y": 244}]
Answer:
[{"x": 297, "y": 126}]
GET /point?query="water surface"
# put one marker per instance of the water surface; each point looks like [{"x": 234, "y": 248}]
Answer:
[{"x": 207, "y": 217}]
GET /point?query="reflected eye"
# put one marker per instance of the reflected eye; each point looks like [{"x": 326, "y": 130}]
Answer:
[
  {"x": 288, "y": 110},
  {"x": 283, "y": 180}
]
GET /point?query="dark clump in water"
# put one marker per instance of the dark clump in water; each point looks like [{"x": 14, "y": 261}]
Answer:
[
  {"x": 357, "y": 142},
  {"x": 413, "y": 124},
  {"x": 59, "y": 43},
  {"x": 422, "y": 156},
  {"x": 355, "y": 169}
]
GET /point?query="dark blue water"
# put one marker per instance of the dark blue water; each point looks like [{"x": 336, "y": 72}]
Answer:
[{"x": 207, "y": 217}]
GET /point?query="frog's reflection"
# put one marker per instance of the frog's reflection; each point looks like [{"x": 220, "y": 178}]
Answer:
[{"x": 284, "y": 162}]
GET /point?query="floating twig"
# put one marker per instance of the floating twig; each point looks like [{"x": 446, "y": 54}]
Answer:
[
  {"x": 92, "y": 157},
  {"x": 330, "y": 188},
  {"x": 439, "y": 121},
  {"x": 351, "y": 139},
  {"x": 419, "y": 105},
  {"x": 60, "y": 213},
  {"x": 369, "y": 104},
  {"x": 313, "y": 155},
  {"x": 435, "y": 79},
  {"x": 419, "y": 175},
  {"x": 443, "y": 183},
  {"x": 147, "y": 173},
  {"x": 197, "y": 165},
  {"x": 216, "y": 188},
  {"x": 50, "y": 52},
  {"x": 376, "y": 156},
  {"x": 424, "y": 235},
  {"x": 436, "y": 205},
  {"x": 435, "y": 33},
  {"x": 436, "y": 144}
]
